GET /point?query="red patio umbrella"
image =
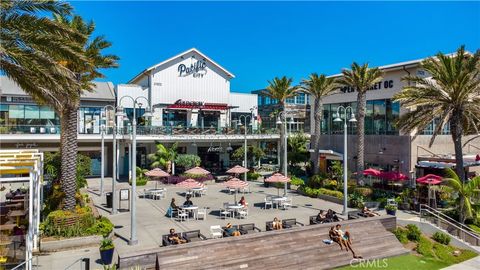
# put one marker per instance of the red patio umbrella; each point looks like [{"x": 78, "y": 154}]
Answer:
[
  {"x": 277, "y": 178},
  {"x": 393, "y": 176},
  {"x": 189, "y": 184},
  {"x": 236, "y": 184},
  {"x": 430, "y": 179},
  {"x": 156, "y": 173},
  {"x": 197, "y": 170},
  {"x": 371, "y": 172},
  {"x": 237, "y": 170}
]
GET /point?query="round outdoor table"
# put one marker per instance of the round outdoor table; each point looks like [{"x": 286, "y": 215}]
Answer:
[
  {"x": 278, "y": 200},
  {"x": 156, "y": 192},
  {"x": 196, "y": 191},
  {"x": 190, "y": 209},
  {"x": 235, "y": 207}
]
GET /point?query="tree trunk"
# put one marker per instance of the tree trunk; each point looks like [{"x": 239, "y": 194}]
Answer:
[
  {"x": 69, "y": 156},
  {"x": 318, "y": 110},
  {"x": 456, "y": 131},
  {"x": 361, "y": 106}
]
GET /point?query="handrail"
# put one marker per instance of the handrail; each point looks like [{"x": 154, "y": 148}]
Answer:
[
  {"x": 24, "y": 263},
  {"x": 449, "y": 218},
  {"x": 85, "y": 260}
]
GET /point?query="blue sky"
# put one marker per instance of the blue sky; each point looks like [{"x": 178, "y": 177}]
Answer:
[{"x": 257, "y": 41}]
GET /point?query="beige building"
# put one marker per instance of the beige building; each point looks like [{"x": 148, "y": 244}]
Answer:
[{"x": 386, "y": 147}]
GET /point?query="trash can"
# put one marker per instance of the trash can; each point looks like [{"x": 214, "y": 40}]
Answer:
[{"x": 109, "y": 196}]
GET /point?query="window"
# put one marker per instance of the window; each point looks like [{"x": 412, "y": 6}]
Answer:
[
  {"x": 379, "y": 117},
  {"x": 16, "y": 111},
  {"x": 290, "y": 100},
  {"x": 300, "y": 98},
  {"x": 369, "y": 118},
  {"x": 392, "y": 115}
]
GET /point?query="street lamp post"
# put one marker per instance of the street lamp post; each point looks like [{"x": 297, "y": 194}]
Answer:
[
  {"x": 282, "y": 120},
  {"x": 133, "y": 223},
  {"x": 114, "y": 159},
  {"x": 245, "y": 117},
  {"x": 338, "y": 118}
]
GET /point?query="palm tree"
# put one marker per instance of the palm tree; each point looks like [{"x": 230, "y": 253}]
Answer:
[
  {"x": 164, "y": 157},
  {"x": 318, "y": 86},
  {"x": 451, "y": 96},
  {"x": 361, "y": 78},
  {"x": 280, "y": 89},
  {"x": 465, "y": 191},
  {"x": 86, "y": 72}
]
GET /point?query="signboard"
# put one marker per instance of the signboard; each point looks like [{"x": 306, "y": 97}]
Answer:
[
  {"x": 197, "y": 69},
  {"x": 387, "y": 84},
  {"x": 215, "y": 149},
  {"x": 124, "y": 194}
]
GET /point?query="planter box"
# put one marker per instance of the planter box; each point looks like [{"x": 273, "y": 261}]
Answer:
[
  {"x": 106, "y": 256},
  {"x": 63, "y": 244}
]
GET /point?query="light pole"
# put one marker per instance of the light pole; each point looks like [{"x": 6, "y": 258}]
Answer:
[
  {"x": 245, "y": 117},
  {"x": 282, "y": 120},
  {"x": 114, "y": 159},
  {"x": 133, "y": 225},
  {"x": 338, "y": 118}
]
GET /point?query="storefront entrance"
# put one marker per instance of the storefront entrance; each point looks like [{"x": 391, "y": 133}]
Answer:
[{"x": 210, "y": 159}]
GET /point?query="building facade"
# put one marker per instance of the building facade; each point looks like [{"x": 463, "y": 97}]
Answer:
[{"x": 387, "y": 147}]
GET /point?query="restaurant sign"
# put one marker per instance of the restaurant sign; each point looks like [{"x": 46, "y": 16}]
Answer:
[
  {"x": 197, "y": 69},
  {"x": 215, "y": 149},
  {"x": 387, "y": 84}
]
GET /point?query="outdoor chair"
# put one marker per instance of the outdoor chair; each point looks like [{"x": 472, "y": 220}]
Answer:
[
  {"x": 248, "y": 228},
  {"x": 291, "y": 222},
  {"x": 193, "y": 236},
  {"x": 216, "y": 231},
  {"x": 287, "y": 203},
  {"x": 269, "y": 226},
  {"x": 202, "y": 212},
  {"x": 268, "y": 201},
  {"x": 225, "y": 213},
  {"x": 243, "y": 213},
  {"x": 204, "y": 191},
  {"x": 167, "y": 242},
  {"x": 182, "y": 215}
]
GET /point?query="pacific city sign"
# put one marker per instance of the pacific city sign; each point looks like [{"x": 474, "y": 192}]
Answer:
[
  {"x": 197, "y": 69},
  {"x": 377, "y": 86}
]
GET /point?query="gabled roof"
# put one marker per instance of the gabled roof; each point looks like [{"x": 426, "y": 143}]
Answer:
[{"x": 194, "y": 50}]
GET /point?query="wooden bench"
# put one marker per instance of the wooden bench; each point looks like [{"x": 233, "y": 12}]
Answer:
[
  {"x": 286, "y": 224},
  {"x": 248, "y": 228},
  {"x": 193, "y": 236},
  {"x": 356, "y": 214}
]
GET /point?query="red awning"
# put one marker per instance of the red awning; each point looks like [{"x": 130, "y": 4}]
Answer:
[{"x": 205, "y": 106}]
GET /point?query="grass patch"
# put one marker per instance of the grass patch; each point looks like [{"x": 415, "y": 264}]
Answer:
[
  {"x": 404, "y": 262},
  {"x": 474, "y": 227}
]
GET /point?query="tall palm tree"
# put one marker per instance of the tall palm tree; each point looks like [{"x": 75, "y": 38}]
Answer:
[
  {"x": 86, "y": 72},
  {"x": 465, "y": 191},
  {"x": 280, "y": 89},
  {"x": 30, "y": 44},
  {"x": 164, "y": 157},
  {"x": 361, "y": 78},
  {"x": 451, "y": 96},
  {"x": 318, "y": 86}
]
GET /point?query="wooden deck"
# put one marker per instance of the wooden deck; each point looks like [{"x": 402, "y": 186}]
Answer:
[{"x": 296, "y": 248}]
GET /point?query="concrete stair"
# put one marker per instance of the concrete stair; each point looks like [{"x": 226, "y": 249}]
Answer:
[{"x": 296, "y": 248}]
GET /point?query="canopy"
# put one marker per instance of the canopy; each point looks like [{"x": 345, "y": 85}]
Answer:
[
  {"x": 238, "y": 170},
  {"x": 431, "y": 179},
  {"x": 371, "y": 172},
  {"x": 393, "y": 176},
  {"x": 277, "y": 178},
  {"x": 157, "y": 172},
  {"x": 197, "y": 170},
  {"x": 189, "y": 184},
  {"x": 236, "y": 183}
]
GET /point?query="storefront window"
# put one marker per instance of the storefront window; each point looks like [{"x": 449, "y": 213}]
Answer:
[
  {"x": 392, "y": 115},
  {"x": 369, "y": 118},
  {"x": 300, "y": 98},
  {"x": 89, "y": 120},
  {"x": 290, "y": 100},
  {"x": 21, "y": 117},
  {"x": 379, "y": 117},
  {"x": 325, "y": 126},
  {"x": 175, "y": 118}
]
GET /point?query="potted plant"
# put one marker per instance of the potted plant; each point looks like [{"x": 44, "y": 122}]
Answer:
[
  {"x": 106, "y": 250},
  {"x": 391, "y": 209}
]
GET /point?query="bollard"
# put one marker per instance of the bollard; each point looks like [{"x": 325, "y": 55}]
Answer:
[{"x": 86, "y": 262}]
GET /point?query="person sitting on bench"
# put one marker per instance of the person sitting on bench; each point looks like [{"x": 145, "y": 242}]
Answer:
[
  {"x": 321, "y": 217},
  {"x": 331, "y": 216},
  {"x": 277, "y": 224},
  {"x": 230, "y": 231},
  {"x": 174, "y": 238},
  {"x": 368, "y": 212},
  {"x": 346, "y": 239}
]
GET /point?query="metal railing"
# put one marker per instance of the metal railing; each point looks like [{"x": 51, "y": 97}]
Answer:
[
  {"x": 23, "y": 265},
  {"x": 451, "y": 226}
]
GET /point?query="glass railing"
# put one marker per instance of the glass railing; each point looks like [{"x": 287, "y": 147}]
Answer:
[{"x": 143, "y": 130}]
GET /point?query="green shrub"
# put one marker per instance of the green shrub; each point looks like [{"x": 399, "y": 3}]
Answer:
[
  {"x": 296, "y": 181},
  {"x": 106, "y": 244},
  {"x": 142, "y": 179},
  {"x": 356, "y": 200},
  {"x": 364, "y": 191},
  {"x": 187, "y": 161},
  {"x": 401, "y": 235},
  {"x": 425, "y": 247},
  {"x": 252, "y": 176},
  {"x": 334, "y": 193},
  {"x": 52, "y": 166},
  {"x": 391, "y": 207},
  {"x": 315, "y": 181},
  {"x": 103, "y": 226},
  {"x": 441, "y": 238},
  {"x": 413, "y": 232},
  {"x": 330, "y": 184}
]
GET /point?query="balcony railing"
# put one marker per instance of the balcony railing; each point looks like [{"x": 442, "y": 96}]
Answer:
[{"x": 142, "y": 130}]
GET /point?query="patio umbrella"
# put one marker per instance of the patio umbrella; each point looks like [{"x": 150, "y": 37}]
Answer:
[
  {"x": 430, "y": 179},
  {"x": 197, "y": 170},
  {"x": 156, "y": 173},
  {"x": 371, "y": 172},
  {"x": 277, "y": 178},
  {"x": 237, "y": 169},
  {"x": 189, "y": 184},
  {"x": 236, "y": 184}
]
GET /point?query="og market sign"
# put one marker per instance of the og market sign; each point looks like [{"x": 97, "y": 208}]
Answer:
[{"x": 197, "y": 69}]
